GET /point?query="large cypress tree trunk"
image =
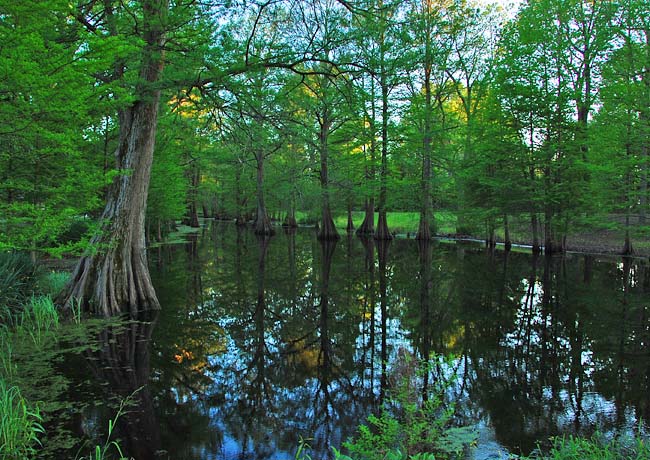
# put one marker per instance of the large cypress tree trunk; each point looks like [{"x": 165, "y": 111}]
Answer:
[{"x": 113, "y": 277}]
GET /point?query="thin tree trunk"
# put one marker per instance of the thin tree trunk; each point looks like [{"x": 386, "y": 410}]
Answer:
[
  {"x": 506, "y": 228},
  {"x": 290, "y": 219},
  {"x": 490, "y": 239},
  {"x": 424, "y": 227},
  {"x": 350, "y": 226},
  {"x": 382, "y": 232},
  {"x": 367, "y": 227},
  {"x": 644, "y": 122},
  {"x": 192, "y": 218},
  {"x": 328, "y": 229},
  {"x": 240, "y": 219},
  {"x": 627, "y": 247},
  {"x": 535, "y": 228},
  {"x": 262, "y": 221}
]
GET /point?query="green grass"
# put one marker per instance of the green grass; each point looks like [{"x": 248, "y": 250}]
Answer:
[
  {"x": 17, "y": 280},
  {"x": 19, "y": 425},
  {"x": 398, "y": 222},
  {"x": 596, "y": 448},
  {"x": 52, "y": 283},
  {"x": 39, "y": 317}
]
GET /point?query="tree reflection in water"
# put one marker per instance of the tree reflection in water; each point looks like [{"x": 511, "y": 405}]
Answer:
[
  {"x": 122, "y": 364},
  {"x": 262, "y": 341}
]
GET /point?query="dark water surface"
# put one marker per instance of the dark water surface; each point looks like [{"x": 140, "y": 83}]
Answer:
[{"x": 261, "y": 341}]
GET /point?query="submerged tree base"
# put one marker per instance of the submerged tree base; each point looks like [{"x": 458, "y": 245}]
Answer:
[
  {"x": 382, "y": 232},
  {"x": 111, "y": 284}
]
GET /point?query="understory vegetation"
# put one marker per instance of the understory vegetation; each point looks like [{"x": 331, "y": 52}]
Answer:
[{"x": 30, "y": 330}]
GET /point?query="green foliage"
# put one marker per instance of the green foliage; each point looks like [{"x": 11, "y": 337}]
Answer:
[
  {"x": 40, "y": 315},
  {"x": 596, "y": 448},
  {"x": 408, "y": 425},
  {"x": 398, "y": 222},
  {"x": 52, "y": 282},
  {"x": 18, "y": 276},
  {"x": 47, "y": 177},
  {"x": 19, "y": 425},
  {"x": 304, "y": 449}
]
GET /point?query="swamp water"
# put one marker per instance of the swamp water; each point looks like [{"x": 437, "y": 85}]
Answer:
[{"x": 262, "y": 341}]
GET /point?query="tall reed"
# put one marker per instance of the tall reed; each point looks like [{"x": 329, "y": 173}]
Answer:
[
  {"x": 39, "y": 317},
  {"x": 19, "y": 425}
]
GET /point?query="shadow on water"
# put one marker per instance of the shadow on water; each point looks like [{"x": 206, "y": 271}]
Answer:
[
  {"x": 121, "y": 365},
  {"x": 262, "y": 341}
]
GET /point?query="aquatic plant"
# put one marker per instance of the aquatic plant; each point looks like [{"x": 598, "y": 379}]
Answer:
[
  {"x": 597, "y": 448},
  {"x": 304, "y": 449},
  {"x": 103, "y": 451},
  {"x": 19, "y": 426},
  {"x": 409, "y": 426}
]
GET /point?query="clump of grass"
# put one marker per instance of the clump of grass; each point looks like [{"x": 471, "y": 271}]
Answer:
[
  {"x": 403, "y": 222},
  {"x": 596, "y": 448},
  {"x": 7, "y": 366},
  {"x": 19, "y": 426},
  {"x": 39, "y": 317},
  {"x": 52, "y": 283},
  {"x": 17, "y": 281}
]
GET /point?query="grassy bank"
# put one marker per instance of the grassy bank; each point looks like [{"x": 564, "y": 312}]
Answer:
[
  {"x": 597, "y": 240},
  {"x": 398, "y": 222}
]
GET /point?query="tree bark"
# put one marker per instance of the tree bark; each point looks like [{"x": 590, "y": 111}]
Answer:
[
  {"x": 426, "y": 215},
  {"x": 506, "y": 228},
  {"x": 367, "y": 227},
  {"x": 327, "y": 229},
  {"x": 382, "y": 232},
  {"x": 350, "y": 227},
  {"x": 262, "y": 221},
  {"x": 192, "y": 217},
  {"x": 290, "y": 219},
  {"x": 627, "y": 246},
  {"x": 113, "y": 277}
]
